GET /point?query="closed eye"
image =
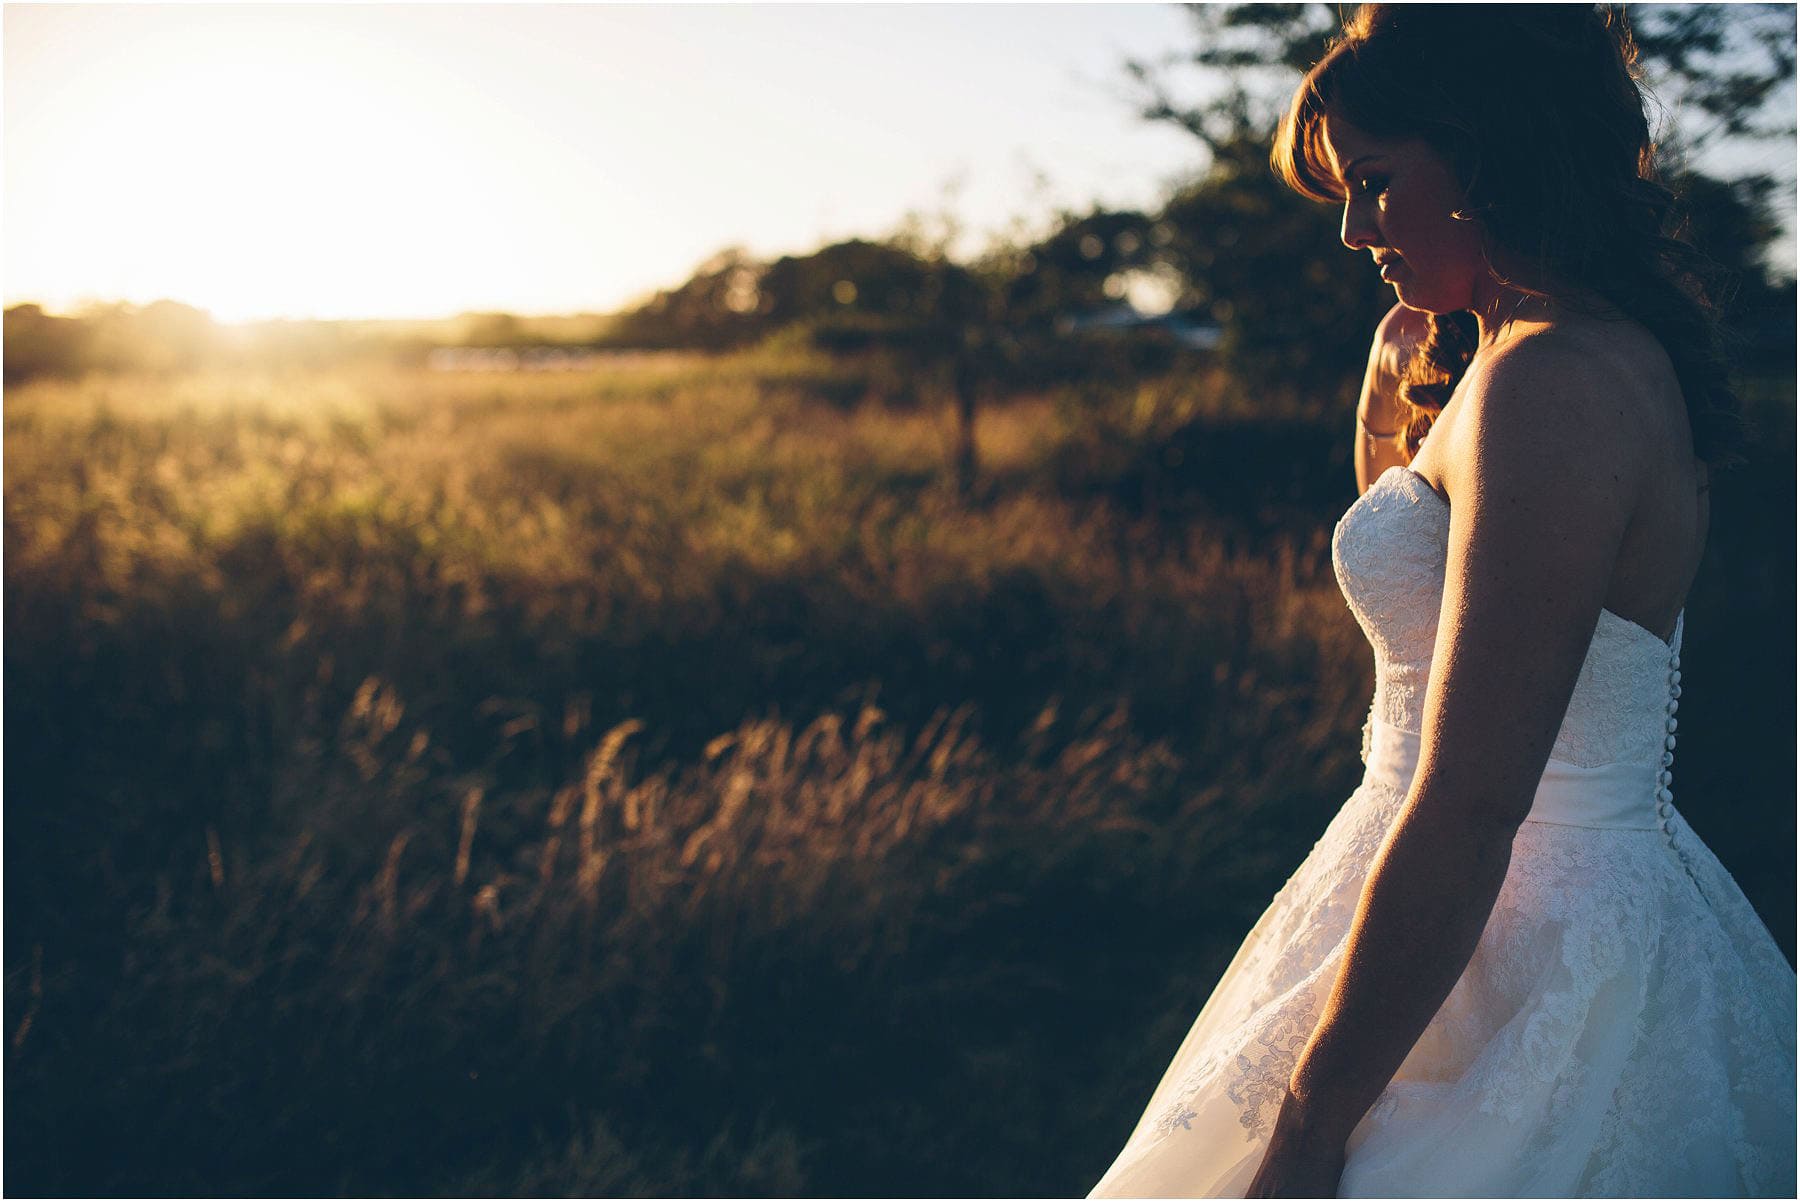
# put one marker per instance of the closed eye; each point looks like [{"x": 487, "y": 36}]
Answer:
[{"x": 1371, "y": 185}]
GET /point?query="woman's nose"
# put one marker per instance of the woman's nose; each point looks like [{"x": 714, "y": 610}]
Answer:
[{"x": 1359, "y": 229}]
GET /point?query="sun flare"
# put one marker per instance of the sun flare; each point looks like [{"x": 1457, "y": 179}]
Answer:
[{"x": 268, "y": 166}]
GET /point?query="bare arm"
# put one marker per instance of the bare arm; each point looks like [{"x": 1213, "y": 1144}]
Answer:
[
  {"x": 1378, "y": 408},
  {"x": 1541, "y": 499}
]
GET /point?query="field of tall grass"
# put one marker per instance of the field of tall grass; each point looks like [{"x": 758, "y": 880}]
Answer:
[{"x": 658, "y": 780}]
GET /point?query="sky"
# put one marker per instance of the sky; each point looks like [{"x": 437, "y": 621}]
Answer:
[{"x": 424, "y": 160}]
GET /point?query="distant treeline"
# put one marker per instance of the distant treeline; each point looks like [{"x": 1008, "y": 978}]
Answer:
[
  {"x": 1235, "y": 253},
  {"x": 1234, "y": 262},
  {"x": 169, "y": 336}
]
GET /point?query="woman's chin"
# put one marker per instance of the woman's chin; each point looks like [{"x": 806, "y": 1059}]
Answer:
[{"x": 1408, "y": 293}]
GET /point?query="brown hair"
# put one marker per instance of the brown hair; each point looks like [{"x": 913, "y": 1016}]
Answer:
[{"x": 1538, "y": 110}]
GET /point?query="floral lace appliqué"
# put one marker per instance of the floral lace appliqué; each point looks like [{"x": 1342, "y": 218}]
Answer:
[{"x": 1255, "y": 1076}]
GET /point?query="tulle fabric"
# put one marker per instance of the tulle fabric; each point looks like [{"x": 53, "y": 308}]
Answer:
[{"x": 1626, "y": 1024}]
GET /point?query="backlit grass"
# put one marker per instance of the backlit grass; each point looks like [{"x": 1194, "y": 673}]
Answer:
[{"x": 657, "y": 780}]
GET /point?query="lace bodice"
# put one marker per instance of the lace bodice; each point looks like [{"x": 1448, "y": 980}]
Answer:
[{"x": 1390, "y": 550}]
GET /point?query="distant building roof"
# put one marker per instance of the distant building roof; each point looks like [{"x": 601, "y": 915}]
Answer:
[{"x": 1188, "y": 329}]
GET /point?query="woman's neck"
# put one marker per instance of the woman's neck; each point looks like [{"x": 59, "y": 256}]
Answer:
[{"x": 1500, "y": 308}]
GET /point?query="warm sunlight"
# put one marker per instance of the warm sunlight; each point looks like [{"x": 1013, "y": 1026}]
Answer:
[
  {"x": 422, "y": 160},
  {"x": 266, "y": 160},
  {"x": 660, "y": 599}
]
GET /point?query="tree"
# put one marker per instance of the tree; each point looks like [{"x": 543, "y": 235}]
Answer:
[
  {"x": 38, "y": 343},
  {"x": 1725, "y": 66},
  {"x": 1295, "y": 308},
  {"x": 1721, "y": 70},
  {"x": 966, "y": 329},
  {"x": 871, "y": 280},
  {"x": 716, "y": 309},
  {"x": 1248, "y": 57}
]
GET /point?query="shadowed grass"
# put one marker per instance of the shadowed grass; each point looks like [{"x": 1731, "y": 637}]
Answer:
[{"x": 656, "y": 781}]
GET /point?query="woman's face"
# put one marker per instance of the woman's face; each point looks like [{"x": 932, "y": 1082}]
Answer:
[{"x": 1398, "y": 197}]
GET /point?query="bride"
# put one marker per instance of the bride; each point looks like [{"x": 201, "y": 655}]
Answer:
[{"x": 1509, "y": 967}]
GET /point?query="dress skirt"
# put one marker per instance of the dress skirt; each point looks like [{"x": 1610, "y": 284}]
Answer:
[{"x": 1624, "y": 1028}]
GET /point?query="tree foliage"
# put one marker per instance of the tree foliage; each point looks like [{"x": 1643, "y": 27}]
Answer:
[
  {"x": 1727, "y": 66},
  {"x": 1296, "y": 309},
  {"x": 1722, "y": 70},
  {"x": 1293, "y": 304}
]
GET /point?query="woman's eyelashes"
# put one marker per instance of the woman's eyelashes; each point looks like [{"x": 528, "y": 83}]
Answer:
[{"x": 1371, "y": 185}]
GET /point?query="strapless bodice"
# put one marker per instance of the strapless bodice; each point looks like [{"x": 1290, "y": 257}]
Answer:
[{"x": 1610, "y": 766}]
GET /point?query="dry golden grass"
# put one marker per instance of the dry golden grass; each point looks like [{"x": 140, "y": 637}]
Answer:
[{"x": 644, "y": 781}]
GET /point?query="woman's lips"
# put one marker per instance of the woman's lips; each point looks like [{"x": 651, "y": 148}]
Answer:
[{"x": 1390, "y": 268}]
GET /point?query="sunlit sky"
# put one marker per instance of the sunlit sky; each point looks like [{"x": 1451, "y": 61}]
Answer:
[
  {"x": 424, "y": 160},
  {"x": 384, "y": 161}
]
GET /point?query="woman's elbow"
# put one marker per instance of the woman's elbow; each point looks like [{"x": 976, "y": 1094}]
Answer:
[{"x": 1484, "y": 818}]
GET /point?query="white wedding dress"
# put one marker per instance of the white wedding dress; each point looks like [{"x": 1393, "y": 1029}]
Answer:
[{"x": 1626, "y": 1025}]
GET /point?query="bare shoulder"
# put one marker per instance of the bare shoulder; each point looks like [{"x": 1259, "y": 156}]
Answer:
[{"x": 1556, "y": 400}]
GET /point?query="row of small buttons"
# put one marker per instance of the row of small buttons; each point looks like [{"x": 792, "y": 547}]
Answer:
[{"x": 1665, "y": 796}]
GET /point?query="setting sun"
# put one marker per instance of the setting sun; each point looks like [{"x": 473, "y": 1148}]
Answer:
[
  {"x": 265, "y": 162},
  {"x": 421, "y": 160}
]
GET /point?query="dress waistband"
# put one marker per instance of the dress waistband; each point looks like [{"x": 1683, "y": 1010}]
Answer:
[{"x": 1607, "y": 797}]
